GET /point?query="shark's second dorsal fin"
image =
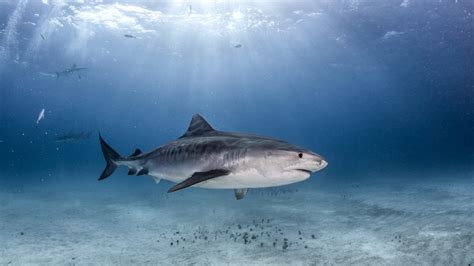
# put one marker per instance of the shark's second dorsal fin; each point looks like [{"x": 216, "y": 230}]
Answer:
[
  {"x": 198, "y": 127},
  {"x": 136, "y": 152}
]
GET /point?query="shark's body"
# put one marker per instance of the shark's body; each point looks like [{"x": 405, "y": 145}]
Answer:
[
  {"x": 207, "y": 158},
  {"x": 71, "y": 136},
  {"x": 68, "y": 71}
]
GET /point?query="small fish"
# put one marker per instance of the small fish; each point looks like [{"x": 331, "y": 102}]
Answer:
[
  {"x": 40, "y": 116},
  {"x": 47, "y": 74},
  {"x": 129, "y": 36},
  {"x": 392, "y": 33},
  {"x": 238, "y": 45},
  {"x": 42, "y": 36}
]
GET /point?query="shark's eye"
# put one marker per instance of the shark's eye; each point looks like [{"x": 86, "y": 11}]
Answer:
[{"x": 300, "y": 155}]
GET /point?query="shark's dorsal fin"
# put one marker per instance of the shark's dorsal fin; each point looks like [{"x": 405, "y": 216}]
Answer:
[
  {"x": 136, "y": 152},
  {"x": 198, "y": 127}
]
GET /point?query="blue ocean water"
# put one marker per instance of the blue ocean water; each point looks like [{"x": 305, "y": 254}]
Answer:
[{"x": 381, "y": 89}]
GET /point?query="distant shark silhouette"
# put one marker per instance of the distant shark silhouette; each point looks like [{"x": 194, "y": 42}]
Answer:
[
  {"x": 204, "y": 157},
  {"x": 71, "y": 136},
  {"x": 68, "y": 71}
]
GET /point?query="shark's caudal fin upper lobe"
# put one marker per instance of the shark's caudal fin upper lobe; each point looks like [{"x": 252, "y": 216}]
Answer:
[{"x": 110, "y": 156}]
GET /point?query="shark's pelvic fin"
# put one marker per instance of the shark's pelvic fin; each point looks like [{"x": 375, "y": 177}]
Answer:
[
  {"x": 198, "y": 127},
  {"x": 157, "y": 179},
  {"x": 136, "y": 152},
  {"x": 198, "y": 177},
  {"x": 240, "y": 193},
  {"x": 132, "y": 171},
  {"x": 143, "y": 171}
]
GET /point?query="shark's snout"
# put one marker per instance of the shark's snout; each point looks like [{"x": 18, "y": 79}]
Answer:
[
  {"x": 322, "y": 164},
  {"x": 317, "y": 164},
  {"x": 308, "y": 162}
]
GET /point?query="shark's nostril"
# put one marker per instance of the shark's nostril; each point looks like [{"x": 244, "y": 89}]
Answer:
[{"x": 323, "y": 164}]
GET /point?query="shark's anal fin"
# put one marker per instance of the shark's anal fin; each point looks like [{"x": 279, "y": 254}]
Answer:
[
  {"x": 143, "y": 171},
  {"x": 157, "y": 179},
  {"x": 132, "y": 171},
  {"x": 240, "y": 193},
  {"x": 199, "y": 177},
  {"x": 136, "y": 152}
]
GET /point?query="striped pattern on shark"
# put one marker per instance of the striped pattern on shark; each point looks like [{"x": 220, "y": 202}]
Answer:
[{"x": 208, "y": 158}]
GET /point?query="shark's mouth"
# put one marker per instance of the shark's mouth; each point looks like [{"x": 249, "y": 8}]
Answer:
[{"x": 304, "y": 170}]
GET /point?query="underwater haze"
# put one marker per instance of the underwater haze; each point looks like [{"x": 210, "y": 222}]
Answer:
[{"x": 382, "y": 90}]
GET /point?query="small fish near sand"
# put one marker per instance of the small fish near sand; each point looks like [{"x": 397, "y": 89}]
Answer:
[
  {"x": 208, "y": 158},
  {"x": 40, "y": 116},
  {"x": 130, "y": 36},
  {"x": 238, "y": 45},
  {"x": 42, "y": 36}
]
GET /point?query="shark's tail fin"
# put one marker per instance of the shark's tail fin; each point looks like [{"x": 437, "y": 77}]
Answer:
[{"x": 110, "y": 157}]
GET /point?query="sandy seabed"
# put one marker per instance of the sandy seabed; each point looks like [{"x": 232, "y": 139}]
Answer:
[{"x": 391, "y": 222}]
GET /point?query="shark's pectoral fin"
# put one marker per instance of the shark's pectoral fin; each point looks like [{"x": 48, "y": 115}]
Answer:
[
  {"x": 199, "y": 177},
  {"x": 240, "y": 193}
]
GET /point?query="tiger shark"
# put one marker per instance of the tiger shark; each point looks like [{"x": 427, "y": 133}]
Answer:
[{"x": 207, "y": 158}]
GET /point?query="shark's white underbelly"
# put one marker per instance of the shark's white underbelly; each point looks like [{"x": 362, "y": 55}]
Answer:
[{"x": 250, "y": 178}]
